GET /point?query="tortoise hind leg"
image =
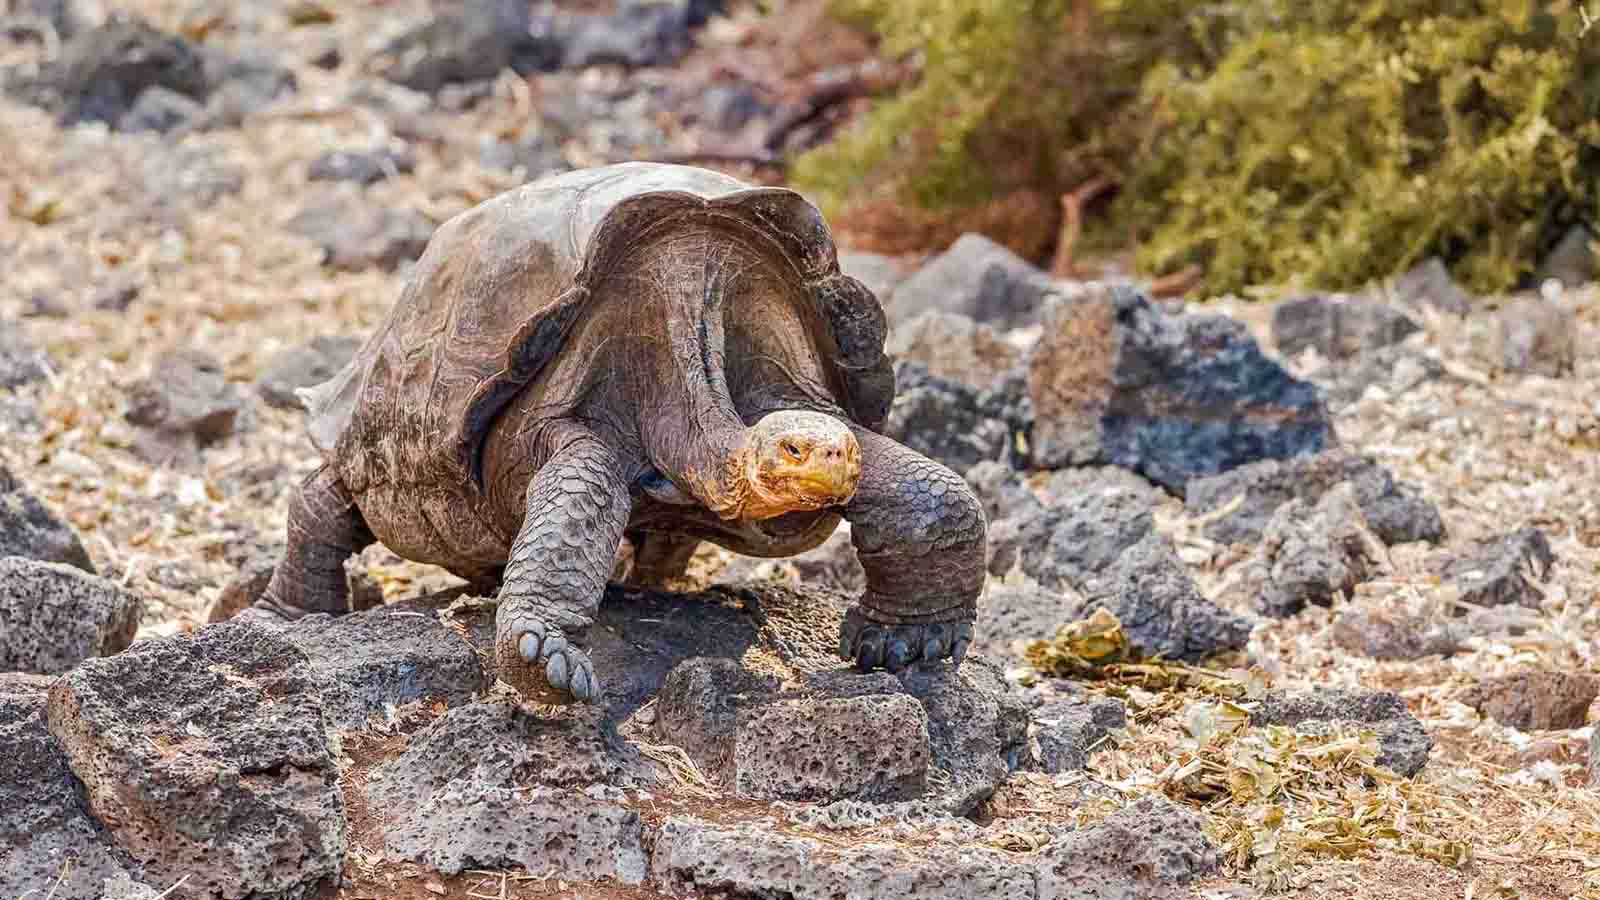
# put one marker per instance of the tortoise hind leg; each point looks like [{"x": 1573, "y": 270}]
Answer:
[
  {"x": 920, "y": 534},
  {"x": 325, "y": 528},
  {"x": 577, "y": 506},
  {"x": 660, "y": 558}
]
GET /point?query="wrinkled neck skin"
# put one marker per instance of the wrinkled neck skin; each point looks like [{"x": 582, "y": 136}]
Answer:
[{"x": 689, "y": 427}]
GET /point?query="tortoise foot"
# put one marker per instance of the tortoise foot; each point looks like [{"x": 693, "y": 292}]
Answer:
[
  {"x": 539, "y": 661},
  {"x": 872, "y": 645}
]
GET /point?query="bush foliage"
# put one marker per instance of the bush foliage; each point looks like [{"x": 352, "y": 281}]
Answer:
[{"x": 1271, "y": 142}]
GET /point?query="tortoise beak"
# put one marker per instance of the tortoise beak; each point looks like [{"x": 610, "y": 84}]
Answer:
[{"x": 829, "y": 474}]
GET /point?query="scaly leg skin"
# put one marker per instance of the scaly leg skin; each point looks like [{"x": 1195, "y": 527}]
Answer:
[
  {"x": 660, "y": 559},
  {"x": 325, "y": 529},
  {"x": 920, "y": 533},
  {"x": 577, "y": 506}
]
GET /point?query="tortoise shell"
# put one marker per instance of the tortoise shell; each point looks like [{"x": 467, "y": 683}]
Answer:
[{"x": 500, "y": 286}]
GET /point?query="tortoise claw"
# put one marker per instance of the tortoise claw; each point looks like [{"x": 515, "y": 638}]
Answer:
[
  {"x": 872, "y": 645},
  {"x": 539, "y": 661},
  {"x": 899, "y": 655}
]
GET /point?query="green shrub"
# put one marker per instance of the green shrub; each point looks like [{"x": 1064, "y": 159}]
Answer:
[
  {"x": 1012, "y": 94},
  {"x": 1343, "y": 141},
  {"x": 1271, "y": 142}
]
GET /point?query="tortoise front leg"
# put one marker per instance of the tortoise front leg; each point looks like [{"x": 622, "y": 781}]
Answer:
[
  {"x": 919, "y": 532},
  {"x": 577, "y": 506}
]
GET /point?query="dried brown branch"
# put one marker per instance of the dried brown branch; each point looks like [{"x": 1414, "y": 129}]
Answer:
[{"x": 1072, "y": 204}]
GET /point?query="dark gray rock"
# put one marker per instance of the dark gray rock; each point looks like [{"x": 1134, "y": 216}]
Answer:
[
  {"x": 1070, "y": 485},
  {"x": 382, "y": 658},
  {"x": 17, "y": 415},
  {"x": 1537, "y": 336},
  {"x": 1429, "y": 284},
  {"x": 1097, "y": 538},
  {"x": 807, "y": 743},
  {"x": 53, "y": 616},
  {"x": 28, "y": 529},
  {"x": 947, "y": 737},
  {"x": 1572, "y": 260},
  {"x": 1144, "y": 851},
  {"x": 730, "y": 107},
  {"x": 700, "y": 858},
  {"x": 52, "y": 845},
  {"x": 1338, "y": 328},
  {"x": 1311, "y": 554},
  {"x": 1003, "y": 492},
  {"x": 977, "y": 278},
  {"x": 1162, "y": 612},
  {"x": 1115, "y": 379},
  {"x": 1389, "y": 633},
  {"x": 497, "y": 785},
  {"x": 977, "y": 731},
  {"x": 464, "y": 96},
  {"x": 206, "y": 757},
  {"x": 1395, "y": 513},
  {"x": 951, "y": 422},
  {"x": 1396, "y": 369},
  {"x": 356, "y": 235},
  {"x": 881, "y": 274},
  {"x": 62, "y": 16},
  {"x": 497, "y": 743},
  {"x": 325, "y": 54},
  {"x": 641, "y": 635},
  {"x": 977, "y": 727},
  {"x": 535, "y": 156},
  {"x": 1403, "y": 743},
  {"x": 243, "y": 85},
  {"x": 302, "y": 367},
  {"x": 161, "y": 110},
  {"x": 1535, "y": 700},
  {"x": 361, "y": 167},
  {"x": 116, "y": 295},
  {"x": 102, "y": 71},
  {"x": 20, "y": 362},
  {"x": 868, "y": 747},
  {"x": 470, "y": 42},
  {"x": 174, "y": 184},
  {"x": 698, "y": 12},
  {"x": 698, "y": 710},
  {"x": 950, "y": 345},
  {"x": 185, "y": 405},
  {"x": 1010, "y": 615},
  {"x": 637, "y": 34},
  {"x": 1081, "y": 533},
  {"x": 1500, "y": 570},
  {"x": 1066, "y": 731}
]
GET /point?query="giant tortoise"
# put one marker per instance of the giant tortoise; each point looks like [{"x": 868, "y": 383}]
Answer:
[{"x": 647, "y": 352}]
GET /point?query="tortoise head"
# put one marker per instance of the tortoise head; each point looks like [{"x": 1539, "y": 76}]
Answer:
[{"x": 797, "y": 461}]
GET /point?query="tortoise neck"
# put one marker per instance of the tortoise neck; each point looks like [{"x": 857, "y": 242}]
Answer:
[{"x": 693, "y": 432}]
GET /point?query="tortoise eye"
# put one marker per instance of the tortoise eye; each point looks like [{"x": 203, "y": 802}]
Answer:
[{"x": 790, "y": 448}]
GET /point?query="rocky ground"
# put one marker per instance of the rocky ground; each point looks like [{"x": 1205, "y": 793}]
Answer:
[{"x": 1358, "y": 533}]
